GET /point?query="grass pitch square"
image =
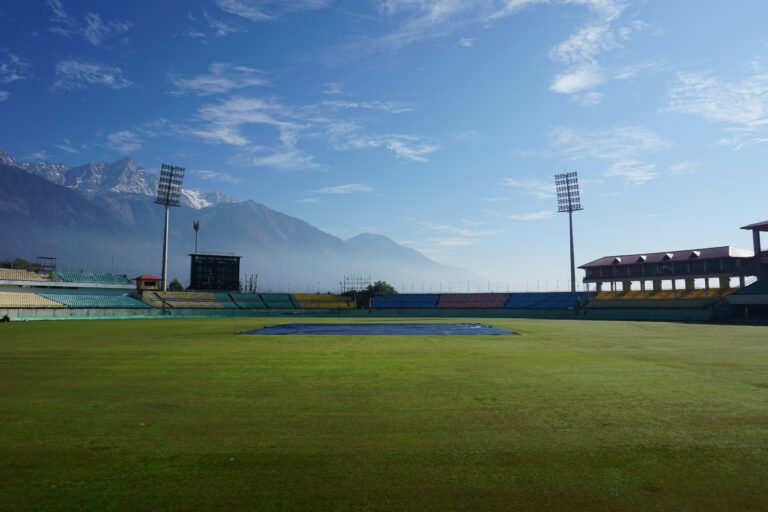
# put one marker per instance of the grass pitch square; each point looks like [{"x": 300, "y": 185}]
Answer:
[
  {"x": 382, "y": 329},
  {"x": 185, "y": 415}
]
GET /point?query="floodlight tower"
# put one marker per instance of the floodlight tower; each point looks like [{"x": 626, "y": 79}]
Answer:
[
  {"x": 196, "y": 227},
  {"x": 168, "y": 195},
  {"x": 568, "y": 200}
]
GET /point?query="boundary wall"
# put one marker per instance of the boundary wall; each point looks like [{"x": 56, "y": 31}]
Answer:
[{"x": 672, "y": 315}]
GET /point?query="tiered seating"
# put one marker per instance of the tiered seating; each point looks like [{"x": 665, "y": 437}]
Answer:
[
  {"x": 92, "y": 299},
  {"x": 247, "y": 300},
  {"x": 664, "y": 294},
  {"x": 278, "y": 300},
  {"x": 196, "y": 300},
  {"x": 26, "y": 300},
  {"x": 472, "y": 300},
  {"x": 92, "y": 277},
  {"x": 406, "y": 301},
  {"x": 546, "y": 300},
  {"x": 152, "y": 299},
  {"x": 652, "y": 304},
  {"x": 324, "y": 301},
  {"x": 15, "y": 274}
]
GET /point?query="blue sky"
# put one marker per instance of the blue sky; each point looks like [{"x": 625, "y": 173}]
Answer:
[{"x": 436, "y": 122}]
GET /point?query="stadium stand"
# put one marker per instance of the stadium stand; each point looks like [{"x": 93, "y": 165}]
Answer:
[
  {"x": 92, "y": 299},
  {"x": 14, "y": 274},
  {"x": 758, "y": 288},
  {"x": 26, "y": 300},
  {"x": 406, "y": 301},
  {"x": 278, "y": 300},
  {"x": 472, "y": 300},
  {"x": 324, "y": 301},
  {"x": 248, "y": 300},
  {"x": 712, "y": 293},
  {"x": 192, "y": 300},
  {"x": 627, "y": 304},
  {"x": 92, "y": 277},
  {"x": 546, "y": 300}
]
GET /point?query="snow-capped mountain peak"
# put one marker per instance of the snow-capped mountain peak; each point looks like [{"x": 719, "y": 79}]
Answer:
[{"x": 123, "y": 176}]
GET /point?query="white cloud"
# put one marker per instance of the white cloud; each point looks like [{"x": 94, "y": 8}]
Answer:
[
  {"x": 533, "y": 216},
  {"x": 66, "y": 147},
  {"x": 281, "y": 158},
  {"x": 684, "y": 168},
  {"x": 13, "y": 67},
  {"x": 124, "y": 142},
  {"x": 225, "y": 122},
  {"x": 333, "y": 88},
  {"x": 634, "y": 172},
  {"x": 582, "y": 49},
  {"x": 620, "y": 143},
  {"x": 4, "y": 95},
  {"x": 220, "y": 28},
  {"x": 74, "y": 74},
  {"x": 741, "y": 105},
  {"x": 265, "y": 10},
  {"x": 623, "y": 147},
  {"x": 221, "y": 78},
  {"x": 347, "y": 136},
  {"x": 542, "y": 190},
  {"x": 404, "y": 148},
  {"x": 94, "y": 30},
  {"x": 393, "y": 107},
  {"x": 466, "y": 42},
  {"x": 578, "y": 79},
  {"x": 467, "y": 230},
  {"x": 586, "y": 44},
  {"x": 37, "y": 155},
  {"x": 209, "y": 175},
  {"x": 351, "y": 188}
]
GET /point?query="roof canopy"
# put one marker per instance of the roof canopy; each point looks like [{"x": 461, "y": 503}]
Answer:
[
  {"x": 673, "y": 256},
  {"x": 758, "y": 226},
  {"x": 147, "y": 277}
]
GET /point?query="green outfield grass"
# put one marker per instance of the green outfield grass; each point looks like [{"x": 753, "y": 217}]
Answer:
[{"x": 183, "y": 415}]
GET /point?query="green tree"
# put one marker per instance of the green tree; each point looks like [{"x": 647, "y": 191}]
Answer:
[
  {"x": 364, "y": 297},
  {"x": 175, "y": 286}
]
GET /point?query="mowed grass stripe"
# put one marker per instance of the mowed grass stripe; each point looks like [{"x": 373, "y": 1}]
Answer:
[{"x": 185, "y": 415}]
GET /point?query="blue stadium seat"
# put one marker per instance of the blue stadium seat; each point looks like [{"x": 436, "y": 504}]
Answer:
[{"x": 406, "y": 301}]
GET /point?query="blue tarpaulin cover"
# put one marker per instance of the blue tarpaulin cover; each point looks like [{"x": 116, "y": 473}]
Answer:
[{"x": 383, "y": 329}]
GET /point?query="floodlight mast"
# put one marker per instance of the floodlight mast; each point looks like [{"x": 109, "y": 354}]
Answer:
[
  {"x": 168, "y": 195},
  {"x": 568, "y": 200}
]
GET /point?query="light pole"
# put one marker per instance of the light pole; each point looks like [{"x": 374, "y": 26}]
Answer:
[
  {"x": 168, "y": 195},
  {"x": 568, "y": 200}
]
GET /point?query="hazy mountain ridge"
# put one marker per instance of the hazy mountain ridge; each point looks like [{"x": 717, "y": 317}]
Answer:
[{"x": 100, "y": 217}]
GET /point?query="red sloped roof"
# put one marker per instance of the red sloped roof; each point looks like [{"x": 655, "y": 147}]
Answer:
[
  {"x": 147, "y": 277},
  {"x": 672, "y": 256}
]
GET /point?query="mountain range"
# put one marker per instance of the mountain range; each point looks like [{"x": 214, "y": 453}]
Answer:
[{"x": 101, "y": 217}]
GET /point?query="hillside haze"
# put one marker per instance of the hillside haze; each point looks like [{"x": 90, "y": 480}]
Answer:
[{"x": 102, "y": 217}]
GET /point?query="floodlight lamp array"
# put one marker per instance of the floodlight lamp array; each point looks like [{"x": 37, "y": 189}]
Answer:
[
  {"x": 568, "y": 198},
  {"x": 169, "y": 186}
]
